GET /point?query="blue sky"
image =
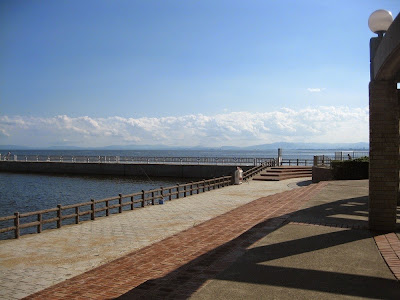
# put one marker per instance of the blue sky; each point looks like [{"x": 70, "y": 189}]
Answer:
[{"x": 209, "y": 73}]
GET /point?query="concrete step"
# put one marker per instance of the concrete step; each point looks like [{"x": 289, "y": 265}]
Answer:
[
  {"x": 281, "y": 173},
  {"x": 285, "y": 174},
  {"x": 278, "y": 178},
  {"x": 288, "y": 171}
]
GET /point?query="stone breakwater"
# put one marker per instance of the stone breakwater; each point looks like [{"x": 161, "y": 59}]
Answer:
[{"x": 156, "y": 170}]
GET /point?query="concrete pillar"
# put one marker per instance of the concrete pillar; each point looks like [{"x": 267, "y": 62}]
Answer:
[
  {"x": 384, "y": 155},
  {"x": 279, "y": 156}
]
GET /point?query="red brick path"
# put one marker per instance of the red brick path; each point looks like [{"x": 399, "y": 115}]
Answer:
[
  {"x": 177, "y": 266},
  {"x": 389, "y": 246}
]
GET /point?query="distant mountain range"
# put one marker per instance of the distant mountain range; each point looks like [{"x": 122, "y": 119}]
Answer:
[
  {"x": 283, "y": 145},
  {"x": 304, "y": 146}
]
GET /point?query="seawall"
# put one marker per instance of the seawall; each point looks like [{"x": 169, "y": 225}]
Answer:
[{"x": 155, "y": 170}]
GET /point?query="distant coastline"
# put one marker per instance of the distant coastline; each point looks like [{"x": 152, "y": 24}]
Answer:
[{"x": 273, "y": 146}]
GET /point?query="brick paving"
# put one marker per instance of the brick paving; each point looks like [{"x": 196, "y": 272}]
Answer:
[
  {"x": 389, "y": 247},
  {"x": 178, "y": 265}
]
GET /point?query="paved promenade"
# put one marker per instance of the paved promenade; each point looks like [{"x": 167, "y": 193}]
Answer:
[
  {"x": 35, "y": 262},
  {"x": 303, "y": 243}
]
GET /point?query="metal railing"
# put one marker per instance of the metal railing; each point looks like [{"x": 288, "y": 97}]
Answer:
[
  {"x": 297, "y": 162},
  {"x": 325, "y": 161},
  {"x": 104, "y": 207},
  {"x": 239, "y": 161},
  {"x": 345, "y": 155},
  {"x": 254, "y": 171},
  {"x": 322, "y": 161}
]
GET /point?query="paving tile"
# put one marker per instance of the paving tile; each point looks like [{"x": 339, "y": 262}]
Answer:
[
  {"x": 56, "y": 255},
  {"x": 202, "y": 253},
  {"x": 387, "y": 245}
]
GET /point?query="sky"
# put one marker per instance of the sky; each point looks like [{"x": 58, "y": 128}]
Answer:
[{"x": 210, "y": 73}]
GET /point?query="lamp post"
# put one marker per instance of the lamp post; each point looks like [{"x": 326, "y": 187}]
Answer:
[{"x": 379, "y": 22}]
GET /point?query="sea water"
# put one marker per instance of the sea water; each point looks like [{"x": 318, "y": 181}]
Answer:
[{"x": 31, "y": 192}]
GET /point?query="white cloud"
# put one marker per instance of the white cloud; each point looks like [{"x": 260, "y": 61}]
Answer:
[
  {"x": 317, "y": 124},
  {"x": 315, "y": 90}
]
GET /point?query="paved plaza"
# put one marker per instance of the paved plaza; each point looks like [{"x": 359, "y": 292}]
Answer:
[
  {"x": 37, "y": 261},
  {"x": 259, "y": 240}
]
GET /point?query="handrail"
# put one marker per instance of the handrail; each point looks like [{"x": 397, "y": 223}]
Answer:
[
  {"x": 253, "y": 171},
  {"x": 144, "y": 198},
  {"x": 297, "y": 162},
  {"x": 240, "y": 161},
  {"x": 92, "y": 208}
]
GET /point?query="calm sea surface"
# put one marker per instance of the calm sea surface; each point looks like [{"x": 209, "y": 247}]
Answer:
[{"x": 30, "y": 192}]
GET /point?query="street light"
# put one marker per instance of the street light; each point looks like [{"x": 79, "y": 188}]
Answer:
[{"x": 379, "y": 22}]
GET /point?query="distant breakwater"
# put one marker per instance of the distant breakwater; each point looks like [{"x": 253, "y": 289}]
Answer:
[{"x": 151, "y": 170}]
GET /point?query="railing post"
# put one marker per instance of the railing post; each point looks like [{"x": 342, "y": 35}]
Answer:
[
  {"x": 170, "y": 194},
  {"x": 59, "y": 216},
  {"x": 120, "y": 203},
  {"x": 16, "y": 224},
  {"x": 77, "y": 215},
  {"x": 143, "y": 195},
  {"x": 107, "y": 209},
  {"x": 131, "y": 202},
  {"x": 40, "y": 220},
  {"x": 152, "y": 198},
  {"x": 191, "y": 188},
  {"x": 92, "y": 207},
  {"x": 162, "y": 194},
  {"x": 177, "y": 190},
  {"x": 315, "y": 160},
  {"x": 204, "y": 185},
  {"x": 297, "y": 161}
]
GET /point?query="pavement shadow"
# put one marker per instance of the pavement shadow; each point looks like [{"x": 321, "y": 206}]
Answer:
[
  {"x": 218, "y": 263},
  {"x": 304, "y": 183}
]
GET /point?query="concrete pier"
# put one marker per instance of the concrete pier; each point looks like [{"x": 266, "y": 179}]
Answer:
[{"x": 120, "y": 169}]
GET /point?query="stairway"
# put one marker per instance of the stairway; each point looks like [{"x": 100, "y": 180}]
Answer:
[{"x": 281, "y": 173}]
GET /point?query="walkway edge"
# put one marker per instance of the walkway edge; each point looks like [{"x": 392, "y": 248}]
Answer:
[{"x": 389, "y": 247}]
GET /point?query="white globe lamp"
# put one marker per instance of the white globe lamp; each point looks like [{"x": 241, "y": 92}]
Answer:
[{"x": 379, "y": 21}]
